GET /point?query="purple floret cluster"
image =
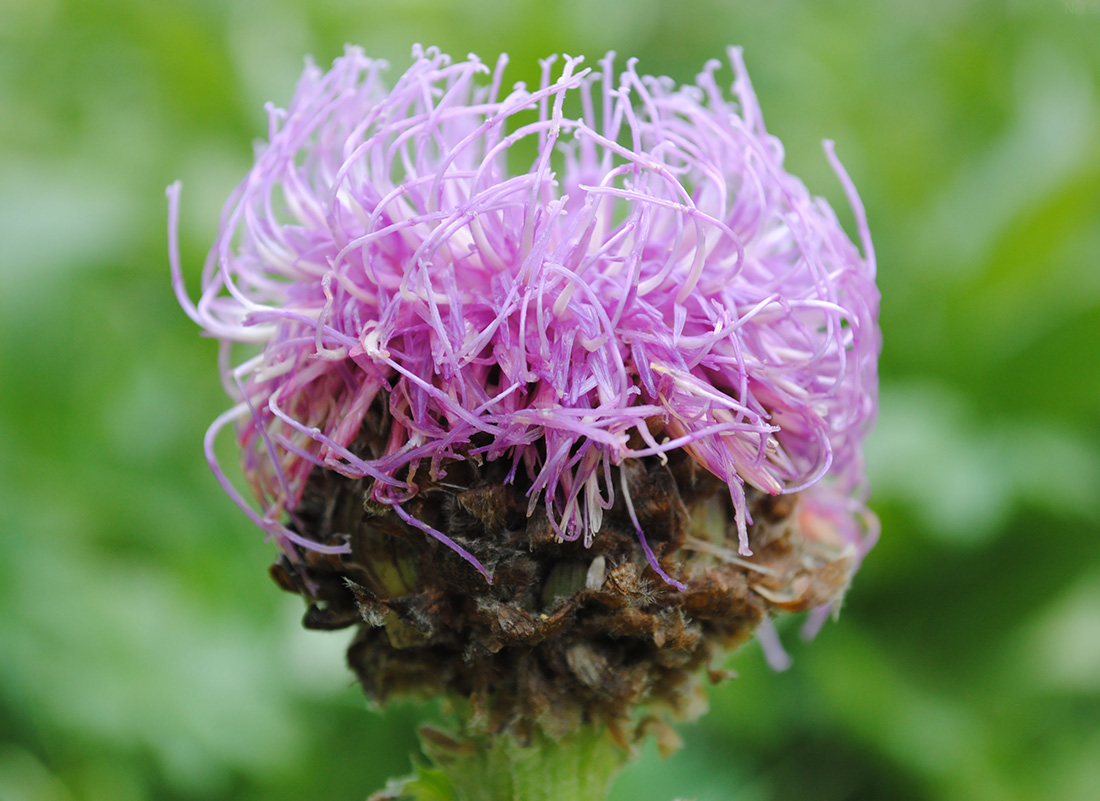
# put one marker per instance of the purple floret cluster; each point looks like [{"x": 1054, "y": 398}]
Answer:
[{"x": 608, "y": 266}]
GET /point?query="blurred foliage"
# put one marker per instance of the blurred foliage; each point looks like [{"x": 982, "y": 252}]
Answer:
[{"x": 144, "y": 654}]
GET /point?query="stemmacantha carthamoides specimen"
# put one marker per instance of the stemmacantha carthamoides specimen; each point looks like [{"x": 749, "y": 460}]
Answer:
[{"x": 554, "y": 393}]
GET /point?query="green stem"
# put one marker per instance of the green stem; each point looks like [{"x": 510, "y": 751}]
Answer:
[{"x": 578, "y": 767}]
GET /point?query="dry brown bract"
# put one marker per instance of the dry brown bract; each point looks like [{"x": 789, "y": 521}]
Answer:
[{"x": 564, "y": 633}]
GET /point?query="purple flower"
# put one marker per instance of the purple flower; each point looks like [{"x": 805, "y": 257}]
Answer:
[{"x": 607, "y": 267}]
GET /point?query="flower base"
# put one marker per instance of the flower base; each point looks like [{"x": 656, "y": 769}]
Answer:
[{"x": 568, "y": 634}]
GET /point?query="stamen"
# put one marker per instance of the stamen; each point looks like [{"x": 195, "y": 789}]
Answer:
[{"x": 655, "y": 266}]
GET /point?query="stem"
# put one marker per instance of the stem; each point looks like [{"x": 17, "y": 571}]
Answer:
[{"x": 578, "y": 767}]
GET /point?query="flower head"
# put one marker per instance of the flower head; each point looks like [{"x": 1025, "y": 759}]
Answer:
[{"x": 607, "y": 267}]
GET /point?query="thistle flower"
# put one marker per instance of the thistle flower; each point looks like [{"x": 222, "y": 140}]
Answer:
[{"x": 517, "y": 307}]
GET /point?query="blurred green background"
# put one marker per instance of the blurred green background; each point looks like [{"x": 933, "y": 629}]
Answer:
[{"x": 144, "y": 654}]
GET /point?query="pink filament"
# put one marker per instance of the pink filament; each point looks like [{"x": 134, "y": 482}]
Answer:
[{"x": 655, "y": 262}]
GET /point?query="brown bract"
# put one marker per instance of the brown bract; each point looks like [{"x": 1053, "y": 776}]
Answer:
[{"x": 564, "y": 634}]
